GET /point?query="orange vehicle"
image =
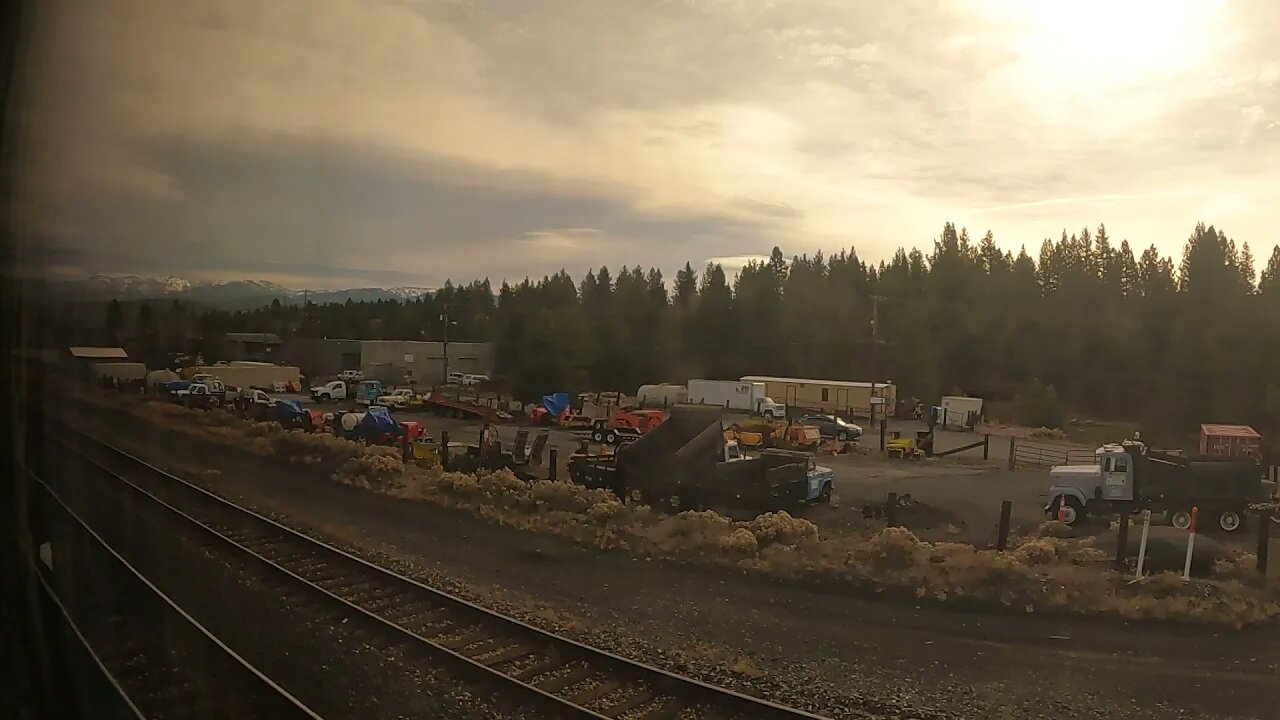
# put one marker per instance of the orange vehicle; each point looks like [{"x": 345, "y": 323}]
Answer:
[{"x": 626, "y": 425}]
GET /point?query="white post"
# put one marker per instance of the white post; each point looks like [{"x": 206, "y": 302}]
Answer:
[
  {"x": 1191, "y": 543},
  {"x": 1142, "y": 545}
]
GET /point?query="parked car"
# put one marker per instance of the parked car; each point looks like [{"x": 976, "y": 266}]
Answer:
[
  {"x": 351, "y": 375},
  {"x": 831, "y": 426},
  {"x": 476, "y": 379},
  {"x": 455, "y": 378}
]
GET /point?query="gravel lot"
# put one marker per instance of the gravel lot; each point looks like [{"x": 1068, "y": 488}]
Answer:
[{"x": 843, "y": 656}]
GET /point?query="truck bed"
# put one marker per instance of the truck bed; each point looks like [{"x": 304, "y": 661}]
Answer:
[{"x": 1169, "y": 477}]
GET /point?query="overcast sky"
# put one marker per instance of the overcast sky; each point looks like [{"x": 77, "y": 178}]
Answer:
[{"x": 335, "y": 143}]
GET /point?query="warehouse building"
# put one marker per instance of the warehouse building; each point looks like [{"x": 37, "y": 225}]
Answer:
[
  {"x": 398, "y": 362},
  {"x": 80, "y": 360},
  {"x": 414, "y": 361},
  {"x": 260, "y": 347}
]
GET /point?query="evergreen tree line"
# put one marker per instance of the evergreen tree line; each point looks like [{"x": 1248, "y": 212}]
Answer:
[{"x": 1114, "y": 334}]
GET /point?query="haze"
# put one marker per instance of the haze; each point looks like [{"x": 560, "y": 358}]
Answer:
[{"x": 331, "y": 144}]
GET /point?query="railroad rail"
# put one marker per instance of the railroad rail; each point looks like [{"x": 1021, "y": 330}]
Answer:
[
  {"x": 533, "y": 666},
  {"x": 142, "y": 655}
]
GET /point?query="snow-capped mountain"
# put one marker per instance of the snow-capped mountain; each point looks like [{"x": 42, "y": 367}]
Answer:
[{"x": 234, "y": 294}]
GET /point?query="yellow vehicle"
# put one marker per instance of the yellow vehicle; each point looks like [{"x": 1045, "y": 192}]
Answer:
[{"x": 900, "y": 447}]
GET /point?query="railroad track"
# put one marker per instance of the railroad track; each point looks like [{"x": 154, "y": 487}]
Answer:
[
  {"x": 145, "y": 657},
  {"x": 532, "y": 666}
]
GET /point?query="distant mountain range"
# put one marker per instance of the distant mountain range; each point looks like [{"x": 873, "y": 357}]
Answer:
[{"x": 232, "y": 295}]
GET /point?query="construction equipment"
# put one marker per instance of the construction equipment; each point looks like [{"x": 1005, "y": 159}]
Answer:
[
  {"x": 520, "y": 459},
  {"x": 686, "y": 462},
  {"x": 626, "y": 425}
]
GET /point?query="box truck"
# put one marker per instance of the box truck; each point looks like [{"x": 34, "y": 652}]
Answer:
[{"x": 736, "y": 395}]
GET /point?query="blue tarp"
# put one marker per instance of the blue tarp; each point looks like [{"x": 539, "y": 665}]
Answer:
[
  {"x": 176, "y": 385},
  {"x": 378, "y": 421},
  {"x": 556, "y": 403},
  {"x": 290, "y": 410}
]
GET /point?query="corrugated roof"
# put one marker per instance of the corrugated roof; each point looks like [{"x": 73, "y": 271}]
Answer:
[
  {"x": 1229, "y": 431},
  {"x": 809, "y": 381},
  {"x": 99, "y": 353},
  {"x": 253, "y": 337}
]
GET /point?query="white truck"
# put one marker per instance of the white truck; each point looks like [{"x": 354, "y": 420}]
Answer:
[
  {"x": 400, "y": 398},
  {"x": 736, "y": 395},
  {"x": 333, "y": 390}
]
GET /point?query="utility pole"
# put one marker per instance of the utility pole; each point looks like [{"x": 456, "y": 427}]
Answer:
[
  {"x": 875, "y": 349},
  {"x": 444, "y": 317}
]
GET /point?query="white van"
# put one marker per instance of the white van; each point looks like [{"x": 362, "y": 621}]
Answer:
[{"x": 470, "y": 379}]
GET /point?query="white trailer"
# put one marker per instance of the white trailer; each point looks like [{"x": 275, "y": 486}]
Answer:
[
  {"x": 960, "y": 413},
  {"x": 736, "y": 395},
  {"x": 661, "y": 396}
]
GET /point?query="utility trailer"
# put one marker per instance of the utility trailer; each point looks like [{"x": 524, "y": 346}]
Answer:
[
  {"x": 686, "y": 463},
  {"x": 1129, "y": 477}
]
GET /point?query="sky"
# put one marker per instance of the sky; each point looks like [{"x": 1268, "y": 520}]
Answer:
[{"x": 340, "y": 143}]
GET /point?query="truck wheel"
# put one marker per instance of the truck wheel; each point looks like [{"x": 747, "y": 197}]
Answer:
[
  {"x": 611, "y": 437},
  {"x": 1230, "y": 521},
  {"x": 825, "y": 497},
  {"x": 597, "y": 436},
  {"x": 325, "y": 398},
  {"x": 1180, "y": 519},
  {"x": 1071, "y": 513},
  {"x": 768, "y": 415}
]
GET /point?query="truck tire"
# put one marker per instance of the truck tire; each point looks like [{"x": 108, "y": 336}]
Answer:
[
  {"x": 1074, "y": 510},
  {"x": 1230, "y": 521},
  {"x": 324, "y": 397},
  {"x": 611, "y": 437},
  {"x": 597, "y": 436},
  {"x": 768, "y": 415},
  {"x": 1180, "y": 519},
  {"x": 825, "y": 497}
]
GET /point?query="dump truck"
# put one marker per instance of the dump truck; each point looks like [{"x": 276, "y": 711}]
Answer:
[
  {"x": 1128, "y": 477},
  {"x": 686, "y": 463}
]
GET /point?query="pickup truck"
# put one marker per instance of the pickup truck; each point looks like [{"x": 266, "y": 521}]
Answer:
[
  {"x": 333, "y": 390},
  {"x": 208, "y": 394},
  {"x": 399, "y": 399}
]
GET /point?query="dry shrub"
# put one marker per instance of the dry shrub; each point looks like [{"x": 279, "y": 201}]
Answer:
[
  {"x": 606, "y": 509},
  {"x": 781, "y": 528},
  {"x": 1040, "y": 551},
  {"x": 1054, "y": 529},
  {"x": 372, "y": 471},
  {"x": 893, "y": 548},
  {"x": 741, "y": 542},
  {"x": 1044, "y": 433},
  {"x": 503, "y": 488},
  {"x": 561, "y": 495}
]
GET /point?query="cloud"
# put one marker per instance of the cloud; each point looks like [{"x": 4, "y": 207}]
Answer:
[{"x": 432, "y": 138}]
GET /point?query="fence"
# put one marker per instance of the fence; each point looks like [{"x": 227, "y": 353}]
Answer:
[{"x": 1029, "y": 454}]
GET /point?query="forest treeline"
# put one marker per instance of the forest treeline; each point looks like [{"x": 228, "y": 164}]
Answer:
[{"x": 1117, "y": 334}]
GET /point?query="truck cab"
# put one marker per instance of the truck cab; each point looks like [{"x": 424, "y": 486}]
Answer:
[
  {"x": 333, "y": 390},
  {"x": 1079, "y": 487},
  {"x": 770, "y": 410}
]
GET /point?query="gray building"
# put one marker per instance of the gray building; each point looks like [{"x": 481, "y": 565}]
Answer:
[
  {"x": 391, "y": 361},
  {"x": 321, "y": 358},
  {"x": 404, "y": 361},
  {"x": 252, "y": 346}
]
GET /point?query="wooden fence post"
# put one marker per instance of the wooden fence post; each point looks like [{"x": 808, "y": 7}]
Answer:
[
  {"x": 1013, "y": 443},
  {"x": 1264, "y": 542},
  {"x": 444, "y": 450},
  {"x": 986, "y": 446},
  {"x": 1002, "y": 540},
  {"x": 554, "y": 468},
  {"x": 891, "y": 510},
  {"x": 1122, "y": 537}
]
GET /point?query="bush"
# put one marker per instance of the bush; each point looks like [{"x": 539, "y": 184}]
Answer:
[
  {"x": 741, "y": 542},
  {"x": 1037, "y": 405},
  {"x": 781, "y": 528}
]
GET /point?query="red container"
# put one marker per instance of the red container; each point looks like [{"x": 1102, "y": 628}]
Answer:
[{"x": 1230, "y": 441}]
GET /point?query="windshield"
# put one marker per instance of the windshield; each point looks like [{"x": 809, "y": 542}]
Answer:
[{"x": 649, "y": 360}]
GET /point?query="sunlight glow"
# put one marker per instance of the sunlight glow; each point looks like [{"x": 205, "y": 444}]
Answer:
[{"x": 1090, "y": 47}]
